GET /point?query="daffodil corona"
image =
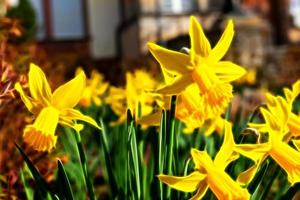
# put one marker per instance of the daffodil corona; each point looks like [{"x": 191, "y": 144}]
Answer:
[{"x": 51, "y": 109}]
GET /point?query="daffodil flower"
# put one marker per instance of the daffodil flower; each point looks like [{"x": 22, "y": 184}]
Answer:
[
  {"x": 94, "y": 90},
  {"x": 189, "y": 110},
  {"x": 276, "y": 119},
  {"x": 294, "y": 119},
  {"x": 210, "y": 174},
  {"x": 202, "y": 66},
  {"x": 132, "y": 96},
  {"x": 292, "y": 127},
  {"x": 51, "y": 109}
]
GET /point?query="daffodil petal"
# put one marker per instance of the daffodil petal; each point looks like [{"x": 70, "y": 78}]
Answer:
[
  {"x": 177, "y": 86},
  {"x": 186, "y": 183},
  {"x": 287, "y": 158},
  {"x": 227, "y": 147},
  {"x": 73, "y": 114},
  {"x": 199, "y": 43},
  {"x": 151, "y": 120},
  {"x": 202, "y": 188},
  {"x": 288, "y": 95},
  {"x": 227, "y": 71},
  {"x": 296, "y": 90},
  {"x": 69, "y": 94},
  {"x": 254, "y": 152},
  {"x": 246, "y": 177},
  {"x": 38, "y": 85},
  {"x": 270, "y": 120},
  {"x": 294, "y": 124},
  {"x": 223, "y": 45},
  {"x": 201, "y": 159},
  {"x": 26, "y": 99},
  {"x": 71, "y": 124},
  {"x": 279, "y": 107},
  {"x": 172, "y": 61}
]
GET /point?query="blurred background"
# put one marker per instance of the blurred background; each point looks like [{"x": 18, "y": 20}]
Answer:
[{"x": 112, "y": 35}]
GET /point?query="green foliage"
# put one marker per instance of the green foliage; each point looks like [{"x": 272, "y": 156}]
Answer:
[{"x": 129, "y": 158}]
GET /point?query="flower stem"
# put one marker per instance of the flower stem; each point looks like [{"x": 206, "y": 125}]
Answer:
[{"x": 82, "y": 157}]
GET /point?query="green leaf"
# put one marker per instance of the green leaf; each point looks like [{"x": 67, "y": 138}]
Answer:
[
  {"x": 41, "y": 185},
  {"x": 27, "y": 188},
  {"x": 292, "y": 191},
  {"x": 254, "y": 186},
  {"x": 266, "y": 190},
  {"x": 85, "y": 172},
  {"x": 108, "y": 165},
  {"x": 161, "y": 148},
  {"x": 135, "y": 160},
  {"x": 63, "y": 183},
  {"x": 170, "y": 139}
]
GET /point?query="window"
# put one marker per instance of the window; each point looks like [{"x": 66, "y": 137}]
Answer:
[
  {"x": 60, "y": 19},
  {"x": 177, "y": 6}
]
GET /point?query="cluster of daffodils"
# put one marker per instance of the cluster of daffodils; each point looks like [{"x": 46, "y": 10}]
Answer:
[{"x": 202, "y": 83}]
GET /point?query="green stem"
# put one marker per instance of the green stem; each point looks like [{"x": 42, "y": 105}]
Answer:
[
  {"x": 82, "y": 157},
  {"x": 170, "y": 143}
]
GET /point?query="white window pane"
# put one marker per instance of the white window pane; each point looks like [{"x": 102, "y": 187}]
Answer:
[
  {"x": 176, "y": 6},
  {"x": 38, "y": 7},
  {"x": 67, "y": 19}
]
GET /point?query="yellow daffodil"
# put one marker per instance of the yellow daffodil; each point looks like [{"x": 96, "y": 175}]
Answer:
[
  {"x": 132, "y": 96},
  {"x": 294, "y": 119},
  {"x": 292, "y": 127},
  {"x": 94, "y": 90},
  {"x": 202, "y": 66},
  {"x": 248, "y": 78},
  {"x": 189, "y": 110},
  {"x": 51, "y": 108},
  {"x": 210, "y": 173},
  {"x": 276, "y": 119}
]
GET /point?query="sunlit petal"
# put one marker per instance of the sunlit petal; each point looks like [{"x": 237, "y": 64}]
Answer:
[
  {"x": 73, "y": 114},
  {"x": 202, "y": 188},
  {"x": 254, "y": 152},
  {"x": 247, "y": 176},
  {"x": 38, "y": 85},
  {"x": 151, "y": 120},
  {"x": 186, "y": 183},
  {"x": 227, "y": 147},
  {"x": 69, "y": 94},
  {"x": 223, "y": 45},
  {"x": 177, "y": 86},
  {"x": 171, "y": 61},
  {"x": 199, "y": 43},
  {"x": 228, "y": 71},
  {"x": 201, "y": 159},
  {"x": 28, "y": 101}
]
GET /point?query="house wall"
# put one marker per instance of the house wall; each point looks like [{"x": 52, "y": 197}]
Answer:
[{"x": 103, "y": 17}]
